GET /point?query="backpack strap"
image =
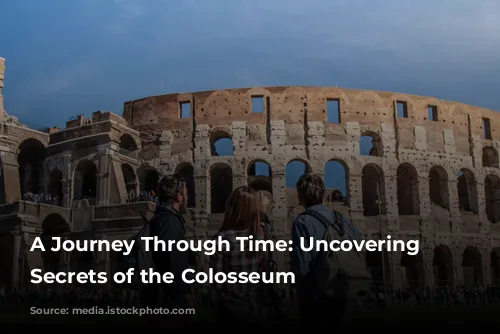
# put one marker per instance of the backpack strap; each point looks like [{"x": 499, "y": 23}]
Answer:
[{"x": 337, "y": 225}]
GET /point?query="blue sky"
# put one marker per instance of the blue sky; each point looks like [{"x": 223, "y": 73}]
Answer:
[{"x": 70, "y": 57}]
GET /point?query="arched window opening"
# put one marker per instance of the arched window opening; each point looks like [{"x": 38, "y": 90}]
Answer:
[
  {"x": 472, "y": 267},
  {"x": 379, "y": 267},
  {"x": 221, "y": 144},
  {"x": 443, "y": 266},
  {"x": 370, "y": 143},
  {"x": 259, "y": 177},
  {"x": 373, "y": 190},
  {"x": 55, "y": 188},
  {"x": 492, "y": 198},
  {"x": 53, "y": 225},
  {"x": 490, "y": 157},
  {"x": 413, "y": 270},
  {"x": 467, "y": 191},
  {"x": 438, "y": 187},
  {"x": 85, "y": 180},
  {"x": 30, "y": 158},
  {"x": 293, "y": 171},
  {"x": 127, "y": 143},
  {"x": 336, "y": 181},
  {"x": 148, "y": 182},
  {"x": 187, "y": 173},
  {"x": 221, "y": 184},
  {"x": 130, "y": 181},
  {"x": 408, "y": 198}
]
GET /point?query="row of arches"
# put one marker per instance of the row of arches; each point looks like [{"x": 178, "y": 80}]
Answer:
[
  {"x": 31, "y": 155},
  {"x": 260, "y": 178},
  {"x": 444, "y": 272}
]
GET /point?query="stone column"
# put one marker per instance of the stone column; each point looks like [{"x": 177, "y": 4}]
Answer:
[
  {"x": 10, "y": 174},
  {"x": 486, "y": 267},
  {"x": 454, "y": 202},
  {"x": 457, "y": 265},
  {"x": 16, "y": 253},
  {"x": 103, "y": 178}
]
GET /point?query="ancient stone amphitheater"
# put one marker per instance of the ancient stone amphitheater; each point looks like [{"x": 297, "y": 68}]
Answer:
[{"x": 432, "y": 174}]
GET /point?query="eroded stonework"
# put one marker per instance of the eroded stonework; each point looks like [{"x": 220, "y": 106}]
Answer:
[{"x": 436, "y": 180}]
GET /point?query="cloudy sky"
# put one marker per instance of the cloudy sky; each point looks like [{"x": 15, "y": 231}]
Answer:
[{"x": 70, "y": 57}]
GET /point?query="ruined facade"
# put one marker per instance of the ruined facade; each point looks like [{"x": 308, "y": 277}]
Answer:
[{"x": 432, "y": 173}]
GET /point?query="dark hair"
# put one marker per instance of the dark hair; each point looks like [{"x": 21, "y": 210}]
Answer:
[
  {"x": 243, "y": 211},
  {"x": 310, "y": 190},
  {"x": 168, "y": 188}
]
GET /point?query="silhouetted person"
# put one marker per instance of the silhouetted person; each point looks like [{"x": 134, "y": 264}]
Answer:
[
  {"x": 237, "y": 303},
  {"x": 169, "y": 224},
  {"x": 315, "y": 311}
]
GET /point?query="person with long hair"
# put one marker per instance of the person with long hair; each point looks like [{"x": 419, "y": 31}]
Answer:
[{"x": 238, "y": 303}]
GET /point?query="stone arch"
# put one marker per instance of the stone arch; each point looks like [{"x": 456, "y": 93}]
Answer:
[
  {"x": 128, "y": 143},
  {"x": 407, "y": 183},
  {"x": 414, "y": 271},
  {"x": 54, "y": 224},
  {"x": 55, "y": 186},
  {"x": 130, "y": 181},
  {"x": 467, "y": 191},
  {"x": 490, "y": 157},
  {"x": 336, "y": 175},
  {"x": 186, "y": 171},
  {"x": 373, "y": 190},
  {"x": 148, "y": 179},
  {"x": 294, "y": 169},
  {"x": 492, "y": 197},
  {"x": 221, "y": 143},
  {"x": 442, "y": 263},
  {"x": 260, "y": 176},
  {"x": 438, "y": 187},
  {"x": 221, "y": 185},
  {"x": 472, "y": 266},
  {"x": 495, "y": 266},
  {"x": 370, "y": 143},
  {"x": 379, "y": 267},
  {"x": 85, "y": 180},
  {"x": 30, "y": 157}
]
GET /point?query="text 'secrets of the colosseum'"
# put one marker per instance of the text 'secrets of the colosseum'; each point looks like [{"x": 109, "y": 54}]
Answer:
[{"x": 432, "y": 174}]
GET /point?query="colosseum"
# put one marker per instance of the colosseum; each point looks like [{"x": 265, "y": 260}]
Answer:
[{"x": 408, "y": 166}]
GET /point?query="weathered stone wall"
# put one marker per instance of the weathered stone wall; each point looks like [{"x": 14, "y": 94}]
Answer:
[
  {"x": 294, "y": 126},
  {"x": 415, "y": 165}
]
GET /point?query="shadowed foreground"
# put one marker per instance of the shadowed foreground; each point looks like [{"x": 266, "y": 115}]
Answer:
[{"x": 415, "y": 318}]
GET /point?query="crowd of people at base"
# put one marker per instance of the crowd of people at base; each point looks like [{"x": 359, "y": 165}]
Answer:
[
  {"x": 321, "y": 290},
  {"x": 60, "y": 296},
  {"x": 41, "y": 198},
  {"x": 143, "y": 196}
]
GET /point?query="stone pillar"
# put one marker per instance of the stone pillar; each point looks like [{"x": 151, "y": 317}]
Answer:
[
  {"x": 67, "y": 181},
  {"x": 355, "y": 187},
  {"x": 240, "y": 177},
  {"x": 10, "y": 174},
  {"x": 484, "y": 223},
  {"x": 428, "y": 258},
  {"x": 424, "y": 195},
  {"x": 486, "y": 267},
  {"x": 457, "y": 265},
  {"x": 103, "y": 177},
  {"x": 16, "y": 253},
  {"x": 454, "y": 202}
]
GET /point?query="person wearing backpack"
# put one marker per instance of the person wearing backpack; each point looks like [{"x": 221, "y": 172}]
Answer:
[
  {"x": 169, "y": 224},
  {"x": 323, "y": 279}
]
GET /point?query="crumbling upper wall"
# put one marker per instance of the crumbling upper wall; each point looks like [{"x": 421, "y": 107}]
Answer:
[{"x": 299, "y": 105}]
